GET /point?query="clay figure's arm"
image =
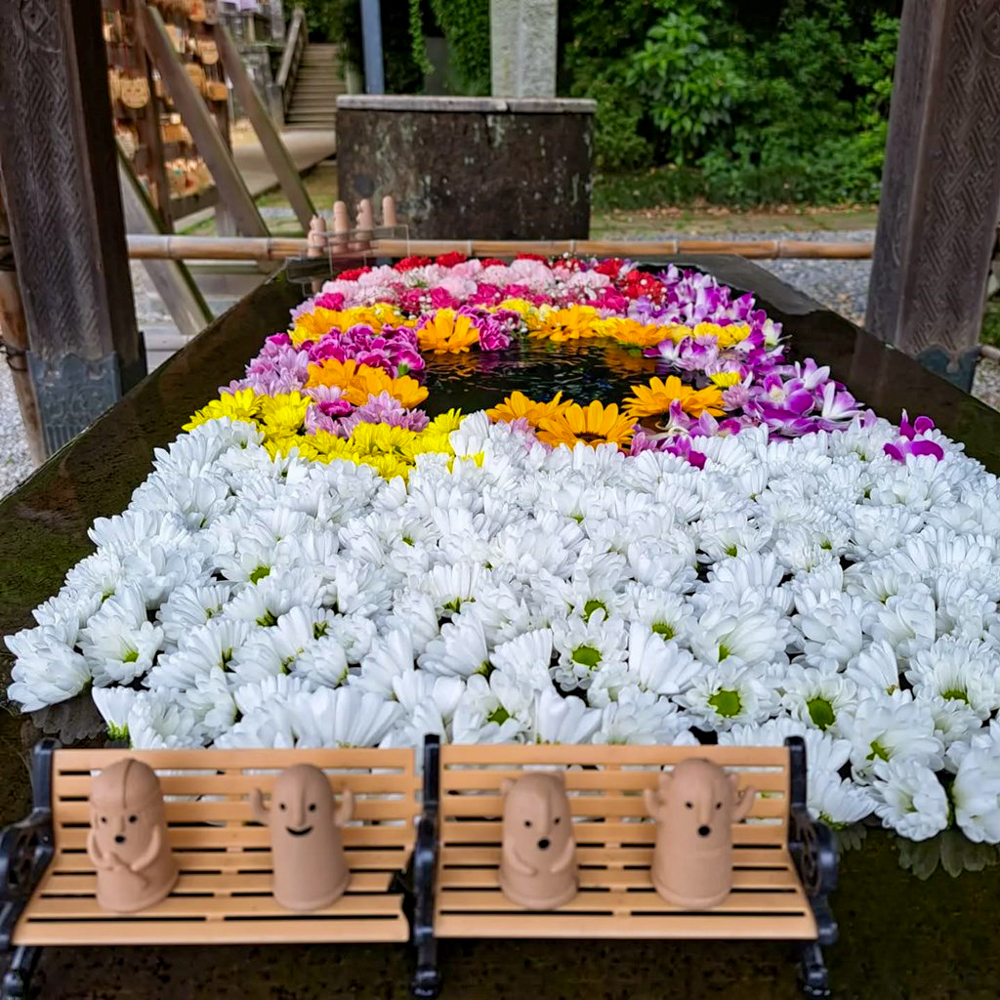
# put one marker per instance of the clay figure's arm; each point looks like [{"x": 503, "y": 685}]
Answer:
[
  {"x": 257, "y": 807},
  {"x": 105, "y": 864},
  {"x": 653, "y": 801},
  {"x": 566, "y": 859},
  {"x": 150, "y": 855},
  {"x": 343, "y": 815},
  {"x": 515, "y": 862}
]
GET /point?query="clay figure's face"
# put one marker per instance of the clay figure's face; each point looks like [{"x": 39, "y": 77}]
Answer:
[
  {"x": 536, "y": 819},
  {"x": 125, "y": 809},
  {"x": 699, "y": 806},
  {"x": 302, "y": 802}
]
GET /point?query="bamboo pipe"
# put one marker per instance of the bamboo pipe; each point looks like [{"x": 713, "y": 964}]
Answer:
[{"x": 143, "y": 247}]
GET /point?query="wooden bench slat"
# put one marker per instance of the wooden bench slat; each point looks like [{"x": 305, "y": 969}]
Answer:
[
  {"x": 681, "y": 926},
  {"x": 214, "y": 811},
  {"x": 617, "y": 878},
  {"x": 359, "y": 859},
  {"x": 291, "y": 929},
  {"x": 70, "y": 786},
  {"x": 253, "y": 836},
  {"x": 489, "y": 856},
  {"x": 599, "y": 779},
  {"x": 592, "y": 805},
  {"x": 198, "y": 758},
  {"x": 224, "y": 884},
  {"x": 209, "y": 907},
  {"x": 517, "y": 756},
  {"x": 623, "y": 902},
  {"x": 488, "y": 832}
]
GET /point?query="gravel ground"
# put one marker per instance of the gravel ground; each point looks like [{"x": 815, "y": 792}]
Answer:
[{"x": 841, "y": 285}]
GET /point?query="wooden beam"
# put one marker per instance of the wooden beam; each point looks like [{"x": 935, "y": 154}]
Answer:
[
  {"x": 61, "y": 181},
  {"x": 277, "y": 248},
  {"x": 210, "y": 144},
  {"x": 173, "y": 281},
  {"x": 274, "y": 149},
  {"x": 940, "y": 186}
]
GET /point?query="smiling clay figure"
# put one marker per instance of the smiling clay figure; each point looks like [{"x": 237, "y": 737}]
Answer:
[
  {"x": 538, "y": 857},
  {"x": 695, "y": 807},
  {"x": 127, "y": 842},
  {"x": 307, "y": 850}
]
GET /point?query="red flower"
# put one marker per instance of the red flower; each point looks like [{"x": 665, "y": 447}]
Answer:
[
  {"x": 638, "y": 283},
  {"x": 533, "y": 256},
  {"x": 570, "y": 263},
  {"x": 450, "y": 259},
  {"x": 353, "y": 274},
  {"x": 493, "y": 262},
  {"x": 610, "y": 266},
  {"x": 409, "y": 263}
]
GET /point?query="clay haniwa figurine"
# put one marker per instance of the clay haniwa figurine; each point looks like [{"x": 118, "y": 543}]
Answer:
[
  {"x": 538, "y": 860},
  {"x": 128, "y": 841},
  {"x": 307, "y": 851},
  {"x": 695, "y": 807}
]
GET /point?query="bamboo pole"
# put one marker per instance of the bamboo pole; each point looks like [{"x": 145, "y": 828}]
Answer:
[
  {"x": 143, "y": 247},
  {"x": 14, "y": 338}
]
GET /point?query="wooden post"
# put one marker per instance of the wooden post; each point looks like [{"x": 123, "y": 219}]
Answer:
[
  {"x": 14, "y": 341},
  {"x": 940, "y": 186},
  {"x": 61, "y": 181},
  {"x": 233, "y": 191},
  {"x": 274, "y": 149}
]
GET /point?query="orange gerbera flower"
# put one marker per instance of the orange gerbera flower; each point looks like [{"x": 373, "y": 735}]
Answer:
[
  {"x": 631, "y": 333},
  {"x": 358, "y": 382},
  {"x": 448, "y": 332},
  {"x": 517, "y": 405},
  {"x": 572, "y": 323},
  {"x": 655, "y": 398},
  {"x": 593, "y": 424}
]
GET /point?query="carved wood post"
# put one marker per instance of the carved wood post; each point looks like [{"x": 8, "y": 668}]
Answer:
[
  {"x": 60, "y": 175},
  {"x": 940, "y": 186}
]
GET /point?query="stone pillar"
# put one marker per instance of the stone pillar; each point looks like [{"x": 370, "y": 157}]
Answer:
[
  {"x": 60, "y": 176},
  {"x": 940, "y": 186},
  {"x": 523, "y": 47}
]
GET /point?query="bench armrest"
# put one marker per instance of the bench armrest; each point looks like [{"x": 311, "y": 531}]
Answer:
[
  {"x": 26, "y": 849},
  {"x": 814, "y": 851},
  {"x": 425, "y": 854}
]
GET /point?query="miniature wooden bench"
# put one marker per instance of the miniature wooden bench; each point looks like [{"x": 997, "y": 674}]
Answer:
[
  {"x": 783, "y": 869},
  {"x": 223, "y": 894}
]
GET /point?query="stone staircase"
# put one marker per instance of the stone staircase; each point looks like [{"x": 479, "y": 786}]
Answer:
[{"x": 319, "y": 81}]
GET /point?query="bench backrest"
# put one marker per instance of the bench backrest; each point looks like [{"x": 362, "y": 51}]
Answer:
[
  {"x": 605, "y": 785},
  {"x": 207, "y": 793}
]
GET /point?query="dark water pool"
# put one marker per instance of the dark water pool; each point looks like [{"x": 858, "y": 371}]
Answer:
[{"x": 916, "y": 921}]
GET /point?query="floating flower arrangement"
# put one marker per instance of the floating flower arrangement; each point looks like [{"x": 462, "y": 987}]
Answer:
[{"x": 733, "y": 551}]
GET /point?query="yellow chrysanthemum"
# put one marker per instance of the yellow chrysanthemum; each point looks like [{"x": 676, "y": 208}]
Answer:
[
  {"x": 655, "y": 398},
  {"x": 358, "y": 382},
  {"x": 445, "y": 423},
  {"x": 448, "y": 332},
  {"x": 727, "y": 336},
  {"x": 725, "y": 379},
  {"x": 313, "y": 325},
  {"x": 283, "y": 444},
  {"x": 283, "y": 414},
  {"x": 527, "y": 310},
  {"x": 517, "y": 405},
  {"x": 593, "y": 424},
  {"x": 631, "y": 333},
  {"x": 242, "y": 405},
  {"x": 573, "y": 323}
]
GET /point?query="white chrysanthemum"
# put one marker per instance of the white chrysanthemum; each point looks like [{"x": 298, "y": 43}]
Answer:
[
  {"x": 884, "y": 727},
  {"x": 323, "y": 718},
  {"x": 662, "y": 611},
  {"x": 249, "y": 697},
  {"x": 211, "y": 701},
  {"x": 430, "y": 703},
  {"x": 832, "y": 626},
  {"x": 119, "y": 643},
  {"x": 46, "y": 671},
  {"x": 876, "y": 669},
  {"x": 976, "y": 792},
  {"x": 586, "y": 647},
  {"x": 907, "y": 622},
  {"x": 531, "y": 651},
  {"x": 640, "y": 717},
  {"x": 909, "y": 798},
  {"x": 818, "y": 696},
  {"x": 189, "y": 607},
  {"x": 559, "y": 719},
  {"x": 954, "y": 721},
  {"x": 263, "y": 602},
  {"x": 460, "y": 650},
  {"x": 390, "y": 655},
  {"x": 658, "y": 665},
  {"x": 114, "y": 704},
  {"x": 958, "y": 670},
  {"x": 726, "y": 695},
  {"x": 154, "y": 724},
  {"x": 748, "y": 633},
  {"x": 213, "y": 645}
]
